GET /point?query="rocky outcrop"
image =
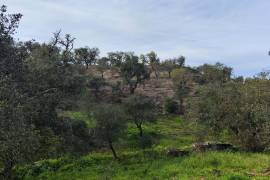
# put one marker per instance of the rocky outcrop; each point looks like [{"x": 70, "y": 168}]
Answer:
[
  {"x": 204, "y": 146},
  {"x": 177, "y": 153}
]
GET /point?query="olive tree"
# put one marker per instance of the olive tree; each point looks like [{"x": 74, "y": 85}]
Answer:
[
  {"x": 140, "y": 109},
  {"x": 240, "y": 109},
  {"x": 18, "y": 141},
  {"x": 154, "y": 62},
  {"x": 103, "y": 65},
  {"x": 133, "y": 72},
  {"x": 86, "y": 56},
  {"x": 17, "y": 137},
  {"x": 182, "y": 80},
  {"x": 168, "y": 65},
  {"x": 217, "y": 73},
  {"x": 95, "y": 84},
  {"x": 110, "y": 124}
]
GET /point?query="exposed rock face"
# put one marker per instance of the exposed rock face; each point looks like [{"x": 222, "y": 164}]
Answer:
[
  {"x": 177, "y": 153},
  {"x": 203, "y": 146},
  {"x": 158, "y": 89}
]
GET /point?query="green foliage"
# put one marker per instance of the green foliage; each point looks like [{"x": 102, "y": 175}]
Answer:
[
  {"x": 140, "y": 109},
  {"x": 240, "y": 109},
  {"x": 10, "y": 62},
  {"x": 18, "y": 142},
  {"x": 217, "y": 73},
  {"x": 110, "y": 124},
  {"x": 103, "y": 65},
  {"x": 86, "y": 56},
  {"x": 116, "y": 58},
  {"x": 95, "y": 84},
  {"x": 170, "y": 64},
  {"x": 146, "y": 141},
  {"x": 183, "y": 82},
  {"x": 133, "y": 72},
  {"x": 82, "y": 116},
  {"x": 171, "y": 106},
  {"x": 152, "y": 162},
  {"x": 40, "y": 117},
  {"x": 154, "y": 62}
]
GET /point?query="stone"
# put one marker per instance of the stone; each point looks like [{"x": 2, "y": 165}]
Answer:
[
  {"x": 177, "y": 153},
  {"x": 203, "y": 146}
]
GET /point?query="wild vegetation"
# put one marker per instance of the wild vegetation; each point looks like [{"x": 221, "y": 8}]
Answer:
[{"x": 66, "y": 112}]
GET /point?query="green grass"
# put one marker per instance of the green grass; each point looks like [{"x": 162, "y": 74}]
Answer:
[
  {"x": 82, "y": 116},
  {"x": 152, "y": 163}
]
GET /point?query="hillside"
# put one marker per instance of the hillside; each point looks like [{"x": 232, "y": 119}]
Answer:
[
  {"x": 157, "y": 89},
  {"x": 154, "y": 163}
]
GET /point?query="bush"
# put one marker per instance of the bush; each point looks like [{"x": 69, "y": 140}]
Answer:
[
  {"x": 239, "y": 110},
  {"x": 146, "y": 141},
  {"x": 171, "y": 106}
]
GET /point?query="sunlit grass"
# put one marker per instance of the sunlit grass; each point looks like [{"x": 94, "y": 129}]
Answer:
[{"x": 153, "y": 163}]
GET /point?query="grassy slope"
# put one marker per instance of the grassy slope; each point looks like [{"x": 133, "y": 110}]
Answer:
[{"x": 153, "y": 163}]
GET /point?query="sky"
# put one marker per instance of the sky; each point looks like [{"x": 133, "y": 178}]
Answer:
[{"x": 233, "y": 32}]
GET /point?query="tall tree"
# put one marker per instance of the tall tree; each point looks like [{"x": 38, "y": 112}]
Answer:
[
  {"x": 10, "y": 63},
  {"x": 17, "y": 137},
  {"x": 18, "y": 140},
  {"x": 67, "y": 43}
]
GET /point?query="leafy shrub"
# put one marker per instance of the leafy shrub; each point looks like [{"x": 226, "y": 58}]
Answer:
[
  {"x": 146, "y": 141},
  {"x": 171, "y": 106},
  {"x": 242, "y": 110}
]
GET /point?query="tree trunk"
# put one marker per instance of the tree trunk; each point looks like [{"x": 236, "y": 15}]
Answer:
[
  {"x": 132, "y": 88},
  {"x": 169, "y": 74},
  {"x": 156, "y": 74},
  {"x": 139, "y": 126},
  {"x": 181, "y": 111},
  {"x": 113, "y": 151}
]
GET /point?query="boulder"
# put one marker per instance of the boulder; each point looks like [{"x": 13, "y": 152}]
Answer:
[
  {"x": 177, "y": 153},
  {"x": 203, "y": 146}
]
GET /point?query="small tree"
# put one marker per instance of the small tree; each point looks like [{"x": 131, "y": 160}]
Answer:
[
  {"x": 217, "y": 73},
  {"x": 133, "y": 72},
  {"x": 87, "y": 56},
  {"x": 116, "y": 58},
  {"x": 140, "y": 109},
  {"x": 103, "y": 65},
  {"x": 168, "y": 65},
  {"x": 180, "y": 61},
  {"x": 154, "y": 62},
  {"x": 182, "y": 80},
  {"x": 111, "y": 123}
]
